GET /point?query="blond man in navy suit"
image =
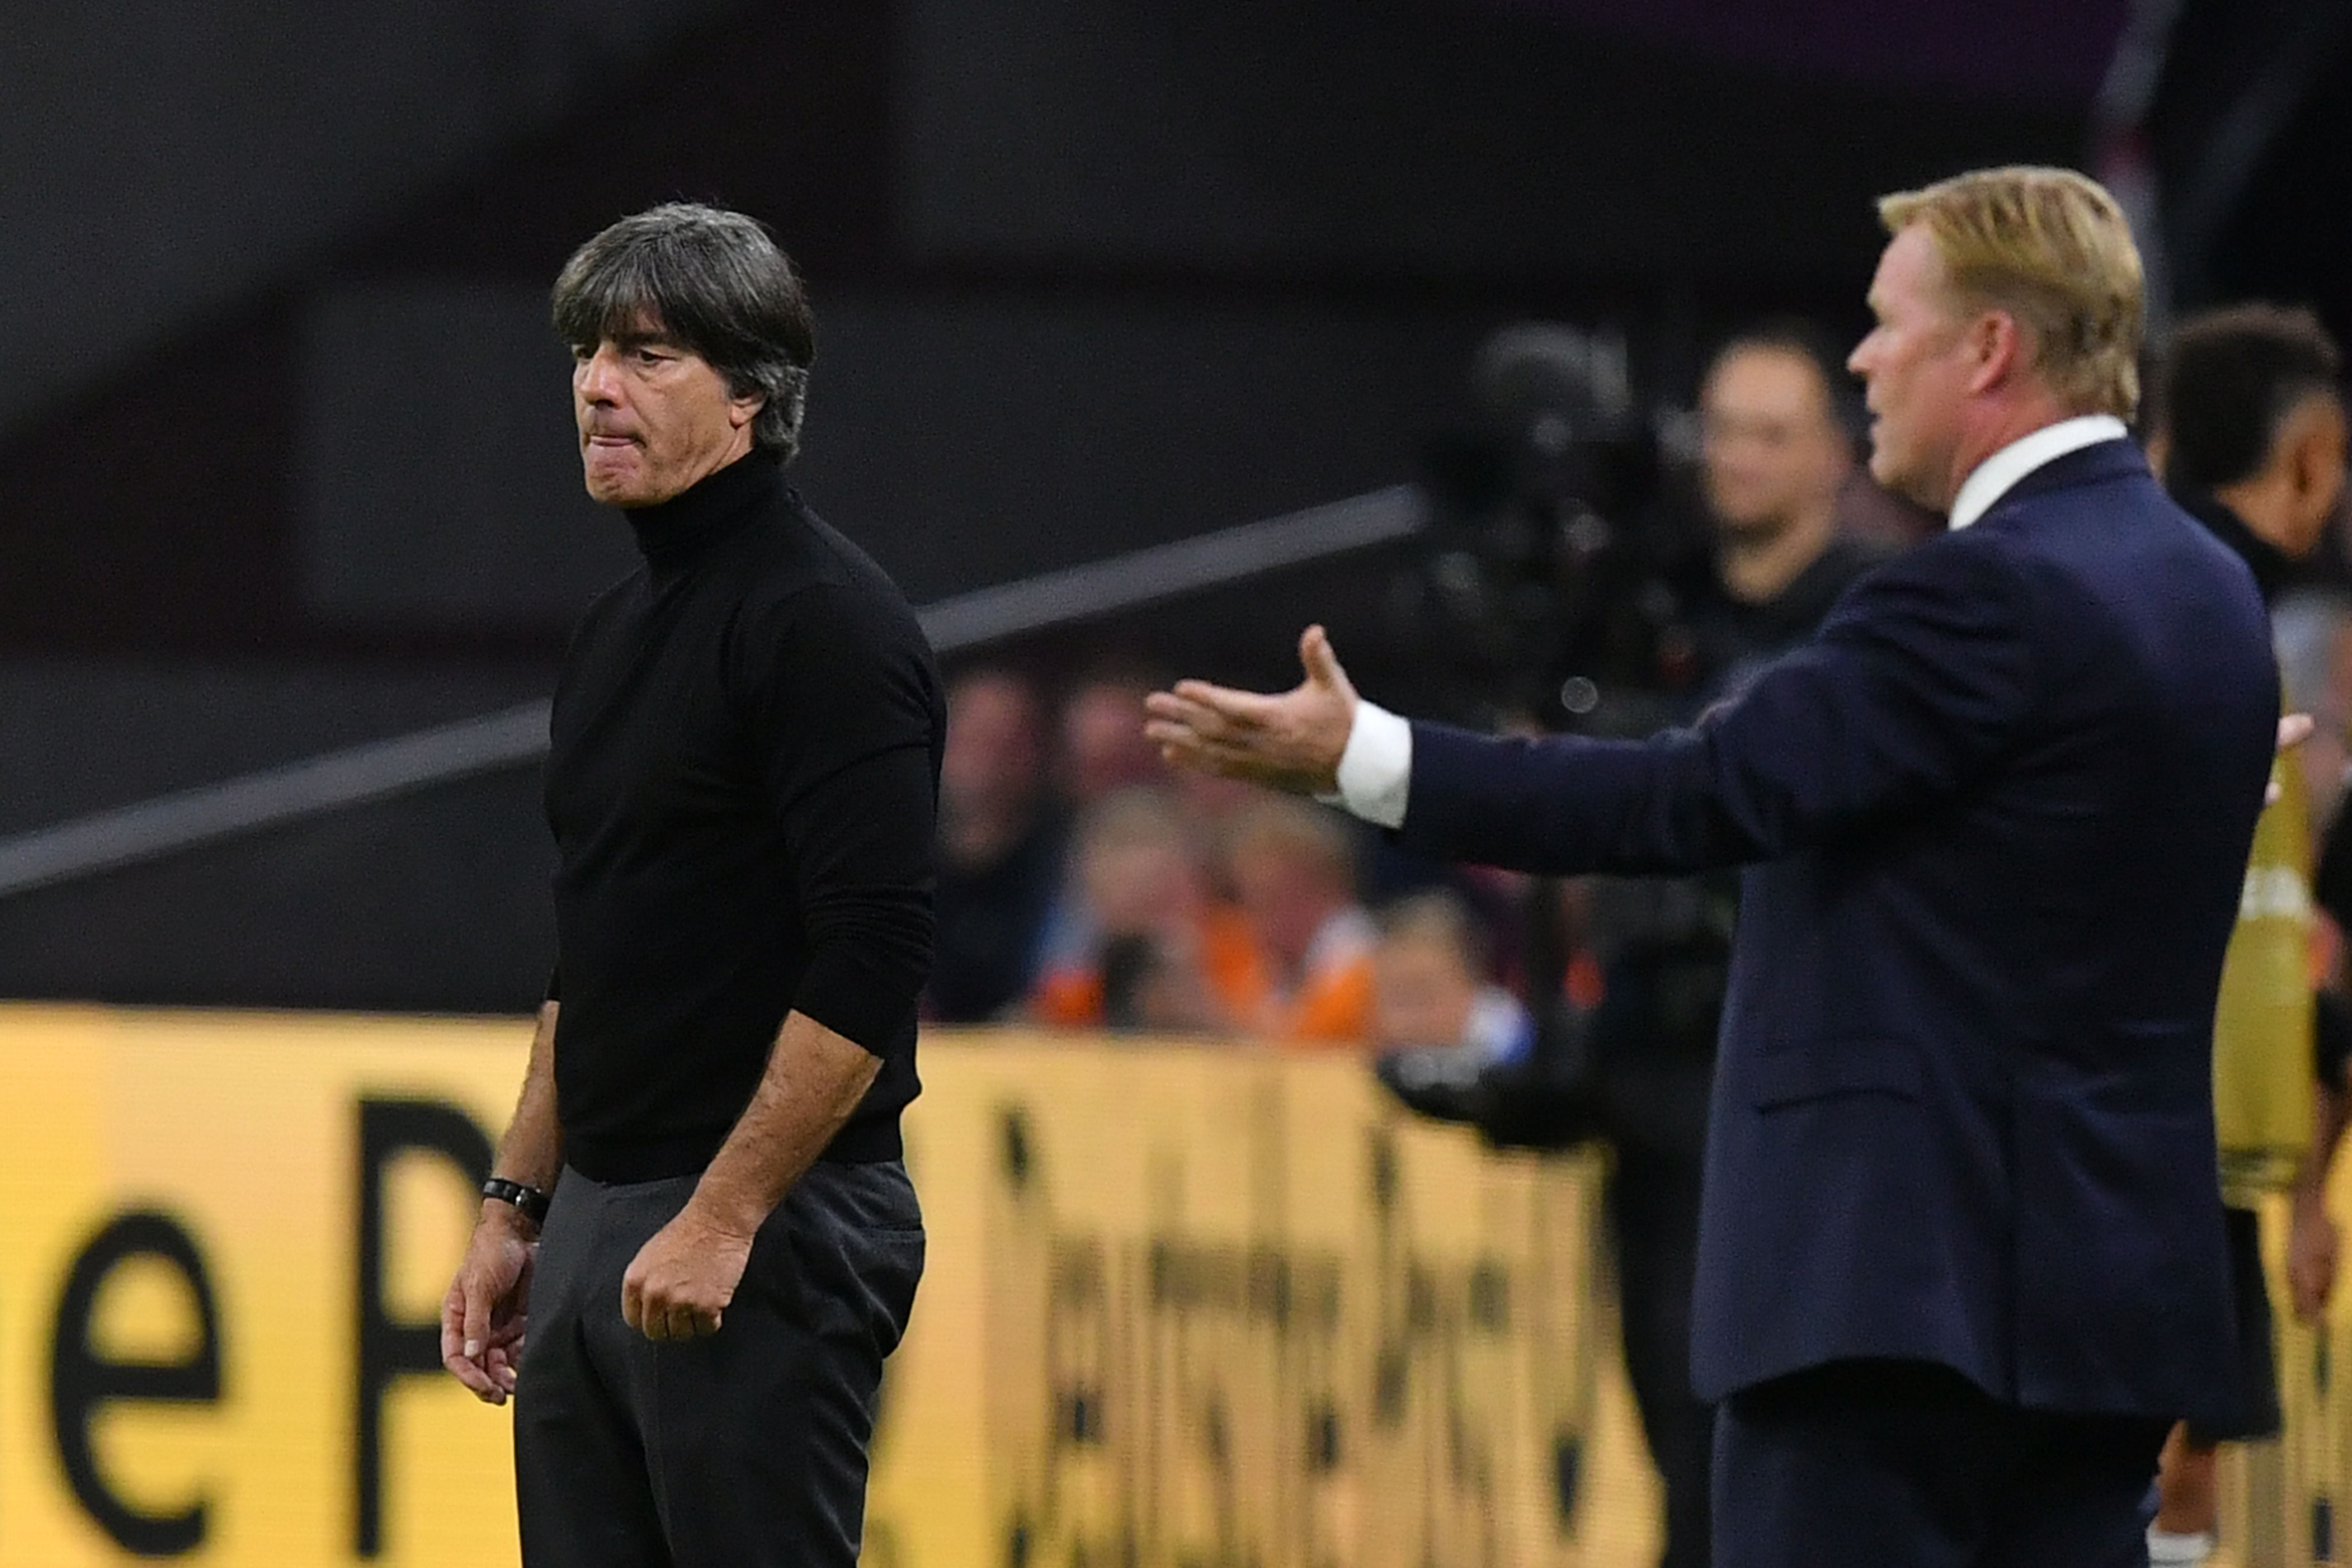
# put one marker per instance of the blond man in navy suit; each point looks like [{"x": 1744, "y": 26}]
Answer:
[{"x": 1961, "y": 1260}]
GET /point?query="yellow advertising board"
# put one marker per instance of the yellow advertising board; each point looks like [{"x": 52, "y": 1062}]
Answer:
[
  {"x": 1184, "y": 1305},
  {"x": 1210, "y": 1305},
  {"x": 1194, "y": 1306},
  {"x": 222, "y": 1242}
]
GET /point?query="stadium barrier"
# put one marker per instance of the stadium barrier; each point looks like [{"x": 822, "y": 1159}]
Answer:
[{"x": 1185, "y": 1304}]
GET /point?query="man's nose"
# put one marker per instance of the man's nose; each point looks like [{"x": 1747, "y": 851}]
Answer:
[{"x": 593, "y": 378}]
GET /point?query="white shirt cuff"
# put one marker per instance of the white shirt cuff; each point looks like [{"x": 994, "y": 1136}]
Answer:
[{"x": 1376, "y": 770}]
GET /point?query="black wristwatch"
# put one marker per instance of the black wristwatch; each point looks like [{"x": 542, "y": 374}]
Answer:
[{"x": 528, "y": 1201}]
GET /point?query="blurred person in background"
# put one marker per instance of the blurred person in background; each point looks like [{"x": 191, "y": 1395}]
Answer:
[
  {"x": 1778, "y": 424},
  {"x": 1775, "y": 459},
  {"x": 1213, "y": 805},
  {"x": 1101, "y": 744},
  {"x": 2248, "y": 430},
  {"x": 1961, "y": 1260},
  {"x": 1291, "y": 867},
  {"x": 1433, "y": 984},
  {"x": 2311, "y": 627},
  {"x": 1100, "y": 750},
  {"x": 700, "y": 1212},
  {"x": 1774, "y": 456},
  {"x": 1156, "y": 949},
  {"x": 2313, "y": 1243},
  {"x": 1000, "y": 847}
]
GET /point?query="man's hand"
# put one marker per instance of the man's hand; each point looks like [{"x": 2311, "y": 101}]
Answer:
[
  {"x": 2311, "y": 1249},
  {"x": 678, "y": 1284},
  {"x": 484, "y": 1314},
  {"x": 1291, "y": 742}
]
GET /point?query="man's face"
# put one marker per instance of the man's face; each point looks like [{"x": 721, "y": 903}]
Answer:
[
  {"x": 653, "y": 417},
  {"x": 1141, "y": 887},
  {"x": 1771, "y": 450},
  {"x": 1286, "y": 898},
  {"x": 1916, "y": 367},
  {"x": 1104, "y": 747},
  {"x": 1423, "y": 994},
  {"x": 993, "y": 758}
]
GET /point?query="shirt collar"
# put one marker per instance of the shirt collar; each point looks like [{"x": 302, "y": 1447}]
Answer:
[{"x": 1998, "y": 475}]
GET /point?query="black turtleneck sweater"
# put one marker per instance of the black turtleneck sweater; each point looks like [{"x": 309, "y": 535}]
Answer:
[
  {"x": 2271, "y": 569},
  {"x": 743, "y": 782}
]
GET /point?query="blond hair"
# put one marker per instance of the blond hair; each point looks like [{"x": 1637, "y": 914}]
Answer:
[
  {"x": 1438, "y": 917},
  {"x": 1135, "y": 817},
  {"x": 2051, "y": 247},
  {"x": 1280, "y": 825}
]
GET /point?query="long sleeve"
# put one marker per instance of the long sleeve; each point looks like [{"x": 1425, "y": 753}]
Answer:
[
  {"x": 1918, "y": 682},
  {"x": 838, "y": 696}
]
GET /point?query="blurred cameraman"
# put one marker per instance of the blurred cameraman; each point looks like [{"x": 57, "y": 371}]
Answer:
[
  {"x": 1651, "y": 620},
  {"x": 1775, "y": 453}
]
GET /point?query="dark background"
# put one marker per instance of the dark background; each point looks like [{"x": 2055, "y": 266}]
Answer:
[{"x": 285, "y": 451}]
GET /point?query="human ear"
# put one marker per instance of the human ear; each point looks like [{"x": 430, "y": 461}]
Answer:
[
  {"x": 2306, "y": 449},
  {"x": 1997, "y": 348},
  {"x": 2304, "y": 457}
]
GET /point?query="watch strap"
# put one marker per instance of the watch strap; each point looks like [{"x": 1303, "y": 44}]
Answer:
[{"x": 528, "y": 1201}]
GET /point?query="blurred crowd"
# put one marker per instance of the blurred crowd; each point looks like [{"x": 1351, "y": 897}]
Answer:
[{"x": 1084, "y": 885}]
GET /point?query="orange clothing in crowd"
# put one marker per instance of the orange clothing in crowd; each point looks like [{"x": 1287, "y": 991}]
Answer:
[
  {"x": 1333, "y": 1002},
  {"x": 1071, "y": 996}
]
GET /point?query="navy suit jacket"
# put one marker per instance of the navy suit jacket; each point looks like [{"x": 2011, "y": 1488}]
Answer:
[{"x": 1996, "y": 818}]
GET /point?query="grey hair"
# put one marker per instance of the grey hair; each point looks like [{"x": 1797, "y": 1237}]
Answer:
[{"x": 717, "y": 283}]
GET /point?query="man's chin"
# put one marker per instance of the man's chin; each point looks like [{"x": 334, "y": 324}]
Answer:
[
  {"x": 1909, "y": 483},
  {"x": 1887, "y": 470},
  {"x": 617, "y": 487}
]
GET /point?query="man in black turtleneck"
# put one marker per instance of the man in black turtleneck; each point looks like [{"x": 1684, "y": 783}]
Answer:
[
  {"x": 700, "y": 1209},
  {"x": 2248, "y": 432}
]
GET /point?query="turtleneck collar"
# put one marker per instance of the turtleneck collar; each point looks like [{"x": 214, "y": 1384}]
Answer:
[
  {"x": 2270, "y": 565},
  {"x": 673, "y": 535}
]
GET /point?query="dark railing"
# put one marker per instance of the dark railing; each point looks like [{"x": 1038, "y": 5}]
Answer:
[{"x": 517, "y": 737}]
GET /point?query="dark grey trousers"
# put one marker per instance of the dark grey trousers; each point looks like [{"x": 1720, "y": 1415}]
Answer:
[{"x": 741, "y": 1450}]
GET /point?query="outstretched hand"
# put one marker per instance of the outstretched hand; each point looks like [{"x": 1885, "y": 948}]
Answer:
[{"x": 1290, "y": 740}]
